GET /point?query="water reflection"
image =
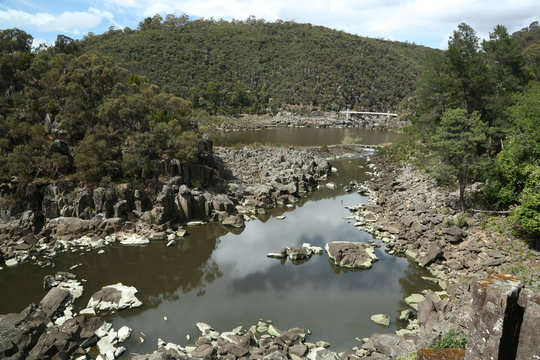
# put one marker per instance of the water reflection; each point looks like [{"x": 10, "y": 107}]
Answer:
[{"x": 303, "y": 136}]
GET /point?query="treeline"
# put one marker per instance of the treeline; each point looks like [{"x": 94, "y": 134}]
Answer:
[
  {"x": 255, "y": 66},
  {"x": 68, "y": 114},
  {"x": 478, "y": 109}
]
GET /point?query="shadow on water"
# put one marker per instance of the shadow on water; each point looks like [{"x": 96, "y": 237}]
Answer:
[{"x": 225, "y": 278}]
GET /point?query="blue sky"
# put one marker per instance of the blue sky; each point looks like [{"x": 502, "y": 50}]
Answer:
[{"x": 426, "y": 22}]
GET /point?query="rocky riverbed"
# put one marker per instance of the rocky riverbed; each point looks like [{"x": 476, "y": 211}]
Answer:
[
  {"x": 315, "y": 119},
  {"x": 414, "y": 217},
  {"x": 407, "y": 212},
  {"x": 231, "y": 186}
]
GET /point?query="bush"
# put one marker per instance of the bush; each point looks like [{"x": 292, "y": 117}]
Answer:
[
  {"x": 451, "y": 340},
  {"x": 461, "y": 221},
  {"x": 324, "y": 148}
]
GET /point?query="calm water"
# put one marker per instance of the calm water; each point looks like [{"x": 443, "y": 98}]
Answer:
[
  {"x": 225, "y": 279},
  {"x": 303, "y": 136}
]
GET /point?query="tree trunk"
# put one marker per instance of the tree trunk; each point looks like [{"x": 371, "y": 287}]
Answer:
[{"x": 462, "y": 185}]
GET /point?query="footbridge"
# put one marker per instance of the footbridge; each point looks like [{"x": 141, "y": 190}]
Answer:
[{"x": 349, "y": 112}]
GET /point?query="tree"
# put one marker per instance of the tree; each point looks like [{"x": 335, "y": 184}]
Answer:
[
  {"x": 15, "y": 40},
  {"x": 433, "y": 88},
  {"x": 466, "y": 68},
  {"x": 458, "y": 142},
  {"x": 504, "y": 65}
]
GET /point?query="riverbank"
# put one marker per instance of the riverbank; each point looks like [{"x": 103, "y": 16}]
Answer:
[
  {"x": 315, "y": 120},
  {"x": 420, "y": 220}
]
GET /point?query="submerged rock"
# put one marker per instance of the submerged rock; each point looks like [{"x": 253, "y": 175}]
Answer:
[{"x": 351, "y": 254}]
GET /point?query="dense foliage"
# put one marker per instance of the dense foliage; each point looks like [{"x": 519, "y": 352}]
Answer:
[
  {"x": 253, "y": 66},
  {"x": 65, "y": 113},
  {"x": 478, "y": 109}
]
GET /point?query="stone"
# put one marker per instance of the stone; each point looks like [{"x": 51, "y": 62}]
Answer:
[
  {"x": 392, "y": 345},
  {"x": 319, "y": 353},
  {"x": 277, "y": 255},
  {"x": 299, "y": 350},
  {"x": 381, "y": 319},
  {"x": 133, "y": 239},
  {"x": 405, "y": 315},
  {"x": 158, "y": 236},
  {"x": 124, "y": 333},
  {"x": 275, "y": 355},
  {"x": 114, "y": 297},
  {"x": 205, "y": 351},
  {"x": 236, "y": 221},
  {"x": 299, "y": 253},
  {"x": 453, "y": 235},
  {"x": 413, "y": 300},
  {"x": 433, "y": 253},
  {"x": 331, "y": 185},
  {"x": 495, "y": 318},
  {"x": 322, "y": 344},
  {"x": 529, "y": 341},
  {"x": 204, "y": 327},
  {"x": 425, "y": 308},
  {"x": 351, "y": 254},
  {"x": 12, "y": 262},
  {"x": 274, "y": 331}
]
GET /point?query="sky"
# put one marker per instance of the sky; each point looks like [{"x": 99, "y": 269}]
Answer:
[{"x": 424, "y": 22}]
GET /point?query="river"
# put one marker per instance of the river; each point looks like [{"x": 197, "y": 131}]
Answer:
[{"x": 224, "y": 278}]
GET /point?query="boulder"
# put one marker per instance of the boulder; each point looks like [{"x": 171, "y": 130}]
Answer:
[
  {"x": 351, "y": 254},
  {"x": 83, "y": 201},
  {"x": 392, "y": 345},
  {"x": 495, "y": 318},
  {"x": 205, "y": 351},
  {"x": 381, "y": 319},
  {"x": 69, "y": 225},
  {"x": 454, "y": 235},
  {"x": 236, "y": 221},
  {"x": 299, "y": 253},
  {"x": 433, "y": 253},
  {"x": 133, "y": 239},
  {"x": 320, "y": 353},
  {"x": 529, "y": 341},
  {"x": 114, "y": 297}
]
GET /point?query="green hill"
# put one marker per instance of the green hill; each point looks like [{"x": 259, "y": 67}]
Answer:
[{"x": 252, "y": 65}]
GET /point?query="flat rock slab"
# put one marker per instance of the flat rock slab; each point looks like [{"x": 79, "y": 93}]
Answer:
[
  {"x": 351, "y": 254},
  {"x": 133, "y": 239},
  {"x": 114, "y": 297},
  {"x": 381, "y": 319}
]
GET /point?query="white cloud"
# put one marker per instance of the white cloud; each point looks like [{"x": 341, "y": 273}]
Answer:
[
  {"x": 422, "y": 21},
  {"x": 74, "y": 22},
  {"x": 391, "y": 19}
]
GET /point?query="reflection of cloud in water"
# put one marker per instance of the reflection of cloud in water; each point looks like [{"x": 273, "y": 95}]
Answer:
[
  {"x": 317, "y": 222},
  {"x": 319, "y": 273}
]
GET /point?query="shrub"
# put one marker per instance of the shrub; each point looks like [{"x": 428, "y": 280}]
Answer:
[
  {"x": 461, "y": 221},
  {"x": 451, "y": 340}
]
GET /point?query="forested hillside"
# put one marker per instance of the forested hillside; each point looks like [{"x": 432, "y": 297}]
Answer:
[
  {"x": 252, "y": 65},
  {"x": 478, "y": 119},
  {"x": 65, "y": 114}
]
